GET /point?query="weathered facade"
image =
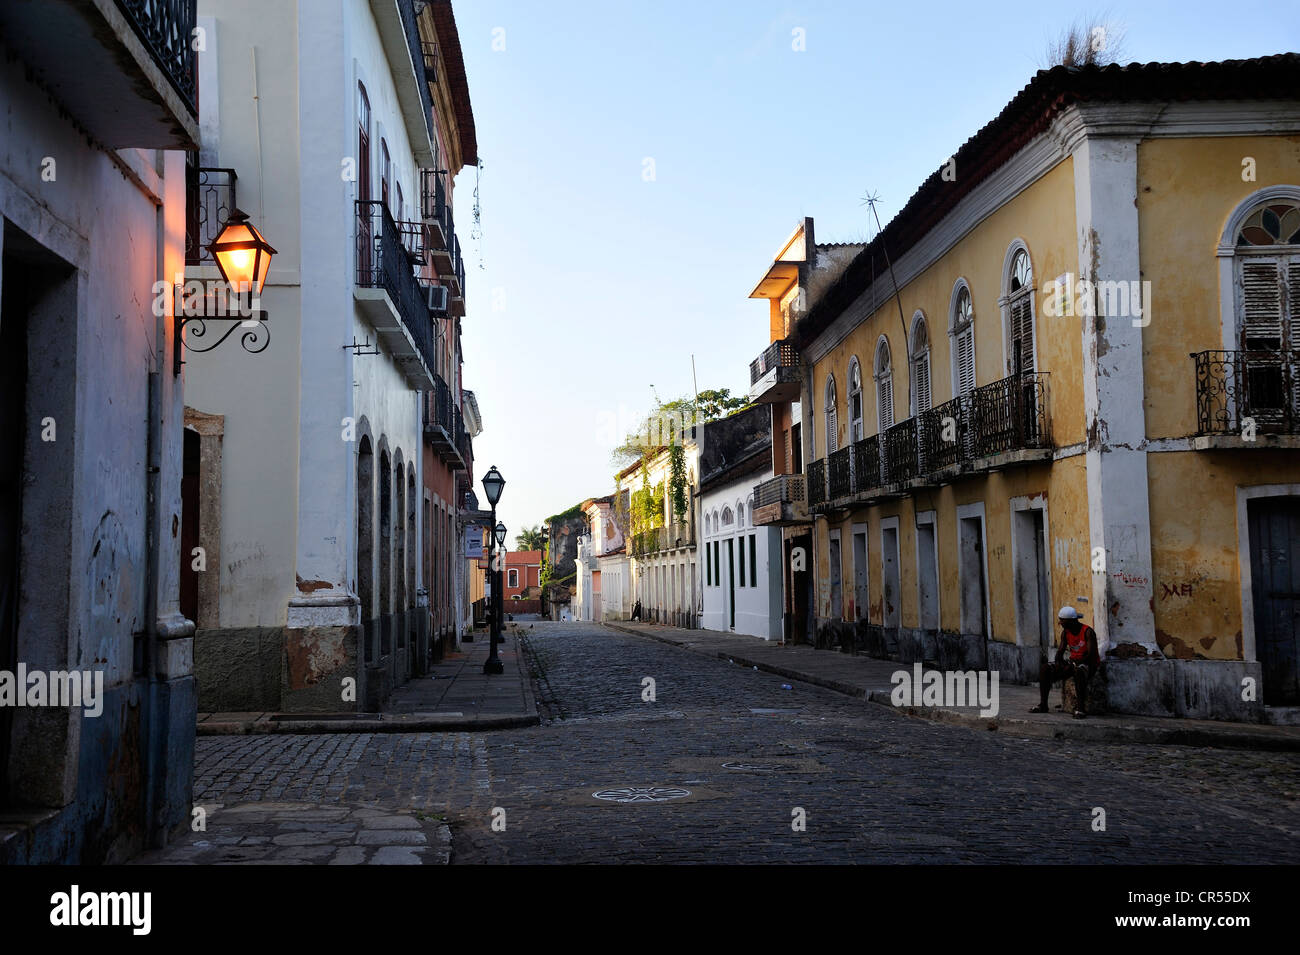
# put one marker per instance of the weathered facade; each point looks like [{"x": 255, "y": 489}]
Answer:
[
  {"x": 345, "y": 451},
  {"x": 1083, "y": 325},
  {"x": 92, "y": 195}
]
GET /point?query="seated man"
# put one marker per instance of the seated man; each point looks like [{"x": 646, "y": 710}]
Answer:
[{"x": 1080, "y": 640}]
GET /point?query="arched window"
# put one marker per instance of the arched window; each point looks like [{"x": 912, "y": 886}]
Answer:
[
  {"x": 727, "y": 517},
  {"x": 961, "y": 329},
  {"x": 1018, "y": 310},
  {"x": 855, "y": 401},
  {"x": 884, "y": 386},
  {"x": 919, "y": 357},
  {"x": 1267, "y": 271},
  {"x": 832, "y": 418},
  {"x": 740, "y": 515},
  {"x": 708, "y": 525},
  {"x": 385, "y": 173}
]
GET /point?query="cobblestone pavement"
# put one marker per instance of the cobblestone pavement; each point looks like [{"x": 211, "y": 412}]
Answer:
[{"x": 751, "y": 758}]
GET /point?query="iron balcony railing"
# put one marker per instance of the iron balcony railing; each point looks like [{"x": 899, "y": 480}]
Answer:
[
  {"x": 839, "y": 473},
  {"x": 434, "y": 207},
  {"x": 1236, "y": 390},
  {"x": 415, "y": 46},
  {"x": 779, "y": 354},
  {"x": 1010, "y": 415},
  {"x": 817, "y": 483},
  {"x": 654, "y": 540},
  {"x": 944, "y": 434},
  {"x": 430, "y": 50},
  {"x": 866, "y": 463},
  {"x": 166, "y": 28},
  {"x": 383, "y": 261},
  {"x": 209, "y": 200},
  {"x": 1007, "y": 415},
  {"x": 782, "y": 489},
  {"x": 898, "y": 460}
]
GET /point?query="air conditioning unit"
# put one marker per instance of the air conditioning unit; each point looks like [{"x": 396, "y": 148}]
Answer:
[{"x": 437, "y": 298}]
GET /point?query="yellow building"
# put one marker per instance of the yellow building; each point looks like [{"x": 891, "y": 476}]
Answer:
[{"x": 1063, "y": 374}]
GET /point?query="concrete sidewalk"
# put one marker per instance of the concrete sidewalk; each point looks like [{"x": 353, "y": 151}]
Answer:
[
  {"x": 457, "y": 696},
  {"x": 870, "y": 679}
]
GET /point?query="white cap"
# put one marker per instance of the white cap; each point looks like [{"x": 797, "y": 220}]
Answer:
[{"x": 1068, "y": 613}]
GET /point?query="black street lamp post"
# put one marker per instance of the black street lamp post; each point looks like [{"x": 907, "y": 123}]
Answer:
[{"x": 493, "y": 483}]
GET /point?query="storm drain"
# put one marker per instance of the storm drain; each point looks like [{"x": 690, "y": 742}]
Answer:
[{"x": 642, "y": 794}]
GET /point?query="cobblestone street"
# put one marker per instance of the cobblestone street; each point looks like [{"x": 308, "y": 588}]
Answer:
[{"x": 741, "y": 755}]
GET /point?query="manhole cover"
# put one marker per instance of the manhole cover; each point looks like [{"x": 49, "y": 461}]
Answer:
[{"x": 642, "y": 794}]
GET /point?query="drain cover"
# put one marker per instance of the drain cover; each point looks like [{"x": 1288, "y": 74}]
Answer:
[{"x": 642, "y": 793}]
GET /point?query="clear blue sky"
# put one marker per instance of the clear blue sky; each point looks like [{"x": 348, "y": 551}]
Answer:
[{"x": 606, "y": 284}]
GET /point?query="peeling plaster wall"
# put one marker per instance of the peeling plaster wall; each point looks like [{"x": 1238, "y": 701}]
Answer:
[
  {"x": 1187, "y": 188},
  {"x": 83, "y": 600}
]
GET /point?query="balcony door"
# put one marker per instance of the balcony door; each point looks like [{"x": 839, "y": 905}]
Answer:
[
  {"x": 1267, "y": 279},
  {"x": 365, "y": 231}
]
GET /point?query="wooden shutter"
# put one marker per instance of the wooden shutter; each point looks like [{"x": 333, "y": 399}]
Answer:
[
  {"x": 1022, "y": 334},
  {"x": 921, "y": 388},
  {"x": 832, "y": 430},
  {"x": 885, "y": 395},
  {"x": 1261, "y": 301},
  {"x": 965, "y": 361},
  {"x": 1292, "y": 331}
]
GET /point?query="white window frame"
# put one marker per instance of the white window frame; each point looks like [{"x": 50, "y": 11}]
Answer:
[
  {"x": 857, "y": 426},
  {"x": 1004, "y": 303},
  {"x": 831, "y": 416},
  {"x": 954, "y": 333},
  {"x": 914, "y": 359},
  {"x": 881, "y": 378}
]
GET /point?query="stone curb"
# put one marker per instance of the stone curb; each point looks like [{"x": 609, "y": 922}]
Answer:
[
  {"x": 407, "y": 723},
  {"x": 1099, "y": 731}
]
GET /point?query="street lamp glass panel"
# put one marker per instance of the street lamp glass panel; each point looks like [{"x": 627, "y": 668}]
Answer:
[
  {"x": 501, "y": 533},
  {"x": 242, "y": 255},
  {"x": 493, "y": 483}
]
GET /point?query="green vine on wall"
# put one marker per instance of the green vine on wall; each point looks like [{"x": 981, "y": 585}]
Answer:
[{"x": 677, "y": 479}]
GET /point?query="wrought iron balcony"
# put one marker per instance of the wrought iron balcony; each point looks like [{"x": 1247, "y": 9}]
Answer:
[
  {"x": 434, "y": 207},
  {"x": 1010, "y": 415},
  {"x": 121, "y": 70},
  {"x": 419, "y": 60},
  {"x": 944, "y": 434},
  {"x": 444, "y": 429},
  {"x": 817, "y": 483},
  {"x": 167, "y": 29},
  {"x": 384, "y": 263},
  {"x": 209, "y": 199},
  {"x": 839, "y": 472},
  {"x": 866, "y": 463},
  {"x": 987, "y": 429},
  {"x": 898, "y": 458},
  {"x": 1239, "y": 392},
  {"x": 774, "y": 375}
]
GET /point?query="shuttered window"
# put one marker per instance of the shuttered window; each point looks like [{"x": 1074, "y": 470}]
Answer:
[
  {"x": 832, "y": 419},
  {"x": 884, "y": 387},
  {"x": 966, "y": 362},
  {"x": 963, "y": 335},
  {"x": 1020, "y": 307},
  {"x": 855, "y": 402},
  {"x": 920, "y": 367},
  {"x": 1262, "y": 315}
]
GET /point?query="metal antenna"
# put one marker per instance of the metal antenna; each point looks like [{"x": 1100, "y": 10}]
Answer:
[{"x": 870, "y": 201}]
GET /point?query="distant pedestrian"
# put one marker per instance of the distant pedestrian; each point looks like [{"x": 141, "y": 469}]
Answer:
[
  {"x": 636, "y": 611},
  {"x": 1080, "y": 642}
]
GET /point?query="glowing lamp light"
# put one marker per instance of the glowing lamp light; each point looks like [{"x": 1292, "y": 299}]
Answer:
[{"x": 242, "y": 255}]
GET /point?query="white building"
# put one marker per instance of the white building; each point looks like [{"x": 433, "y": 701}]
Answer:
[
  {"x": 602, "y": 590},
  {"x": 742, "y": 581},
  {"x": 326, "y": 521},
  {"x": 741, "y": 570}
]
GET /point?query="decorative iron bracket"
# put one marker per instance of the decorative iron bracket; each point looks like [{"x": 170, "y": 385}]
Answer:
[
  {"x": 360, "y": 348},
  {"x": 256, "y": 331}
]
